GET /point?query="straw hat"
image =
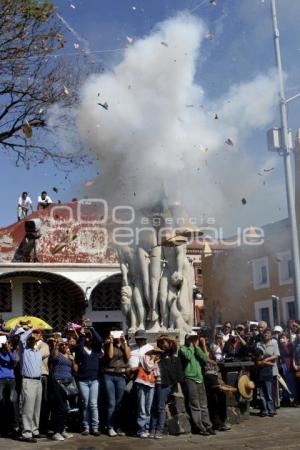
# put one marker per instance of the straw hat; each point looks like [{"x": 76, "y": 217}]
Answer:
[{"x": 245, "y": 387}]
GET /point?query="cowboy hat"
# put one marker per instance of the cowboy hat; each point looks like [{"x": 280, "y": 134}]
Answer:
[{"x": 245, "y": 387}]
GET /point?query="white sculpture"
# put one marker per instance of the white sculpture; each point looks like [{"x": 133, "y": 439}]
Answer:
[{"x": 157, "y": 292}]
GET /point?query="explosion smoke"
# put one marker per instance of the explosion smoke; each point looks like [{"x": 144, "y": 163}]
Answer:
[{"x": 158, "y": 121}]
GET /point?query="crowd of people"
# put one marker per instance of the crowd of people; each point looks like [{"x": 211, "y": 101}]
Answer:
[{"x": 76, "y": 379}]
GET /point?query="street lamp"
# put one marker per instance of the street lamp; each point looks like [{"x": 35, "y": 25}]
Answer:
[{"x": 283, "y": 142}]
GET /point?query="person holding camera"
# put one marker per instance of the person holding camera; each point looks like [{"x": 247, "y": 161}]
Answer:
[
  {"x": 115, "y": 362},
  {"x": 193, "y": 357},
  {"x": 88, "y": 351},
  {"x": 148, "y": 372},
  {"x": 170, "y": 373},
  {"x": 31, "y": 372},
  {"x": 63, "y": 368},
  {"x": 8, "y": 386},
  {"x": 236, "y": 345}
]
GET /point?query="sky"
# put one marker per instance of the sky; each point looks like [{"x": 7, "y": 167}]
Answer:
[{"x": 230, "y": 65}]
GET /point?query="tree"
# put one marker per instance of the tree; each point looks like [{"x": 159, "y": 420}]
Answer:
[{"x": 33, "y": 79}]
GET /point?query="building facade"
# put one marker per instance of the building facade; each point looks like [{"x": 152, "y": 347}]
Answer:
[{"x": 68, "y": 271}]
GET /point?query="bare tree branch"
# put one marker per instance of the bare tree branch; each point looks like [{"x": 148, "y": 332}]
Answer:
[{"x": 31, "y": 82}]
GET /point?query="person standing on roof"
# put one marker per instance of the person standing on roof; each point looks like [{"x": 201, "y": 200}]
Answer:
[{"x": 24, "y": 205}]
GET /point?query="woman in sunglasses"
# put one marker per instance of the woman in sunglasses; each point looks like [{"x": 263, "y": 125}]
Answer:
[{"x": 63, "y": 367}]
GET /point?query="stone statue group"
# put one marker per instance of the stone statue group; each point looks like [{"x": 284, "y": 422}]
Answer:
[{"x": 157, "y": 287}]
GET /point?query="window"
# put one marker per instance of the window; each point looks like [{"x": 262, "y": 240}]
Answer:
[
  {"x": 291, "y": 312},
  {"x": 265, "y": 314},
  {"x": 5, "y": 297},
  {"x": 264, "y": 275},
  {"x": 264, "y": 311},
  {"x": 260, "y": 273},
  {"x": 285, "y": 268}
]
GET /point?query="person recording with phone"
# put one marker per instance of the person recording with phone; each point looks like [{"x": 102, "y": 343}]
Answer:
[
  {"x": 115, "y": 362},
  {"x": 63, "y": 368},
  {"x": 236, "y": 346},
  {"x": 88, "y": 352},
  {"x": 8, "y": 385}
]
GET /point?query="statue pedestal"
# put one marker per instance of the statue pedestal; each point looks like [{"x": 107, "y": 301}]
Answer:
[{"x": 152, "y": 336}]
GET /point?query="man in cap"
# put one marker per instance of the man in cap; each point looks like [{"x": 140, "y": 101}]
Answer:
[
  {"x": 139, "y": 349},
  {"x": 277, "y": 332},
  {"x": 192, "y": 357}
]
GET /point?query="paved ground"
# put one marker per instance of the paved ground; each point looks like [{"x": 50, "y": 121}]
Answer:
[{"x": 280, "y": 432}]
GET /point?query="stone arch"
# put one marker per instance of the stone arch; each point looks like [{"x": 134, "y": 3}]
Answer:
[
  {"x": 52, "y": 297},
  {"x": 107, "y": 294}
]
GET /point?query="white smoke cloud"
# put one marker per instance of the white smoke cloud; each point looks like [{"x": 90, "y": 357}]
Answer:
[{"x": 160, "y": 129}]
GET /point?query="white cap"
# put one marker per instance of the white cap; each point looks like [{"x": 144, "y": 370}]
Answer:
[
  {"x": 191, "y": 333},
  {"x": 278, "y": 328}
]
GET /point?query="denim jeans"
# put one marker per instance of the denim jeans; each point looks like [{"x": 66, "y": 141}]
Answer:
[
  {"x": 266, "y": 397},
  {"x": 89, "y": 390},
  {"x": 158, "y": 411},
  {"x": 145, "y": 397},
  {"x": 115, "y": 387}
]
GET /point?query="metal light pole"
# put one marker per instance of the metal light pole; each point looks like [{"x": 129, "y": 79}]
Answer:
[{"x": 287, "y": 165}]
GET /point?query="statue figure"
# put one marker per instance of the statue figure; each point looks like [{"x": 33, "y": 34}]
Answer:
[{"x": 157, "y": 285}]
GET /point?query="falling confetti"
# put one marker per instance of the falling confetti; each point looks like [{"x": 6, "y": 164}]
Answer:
[
  {"x": 129, "y": 39},
  {"x": 27, "y": 130},
  {"x": 89, "y": 183},
  {"x": 216, "y": 117},
  {"x": 164, "y": 43},
  {"x": 209, "y": 35},
  {"x": 76, "y": 45},
  {"x": 104, "y": 105},
  {"x": 66, "y": 90},
  {"x": 244, "y": 201},
  {"x": 213, "y": 2},
  {"x": 229, "y": 142},
  {"x": 72, "y": 6},
  {"x": 269, "y": 170},
  {"x": 134, "y": 8},
  {"x": 55, "y": 189},
  {"x": 203, "y": 148}
]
